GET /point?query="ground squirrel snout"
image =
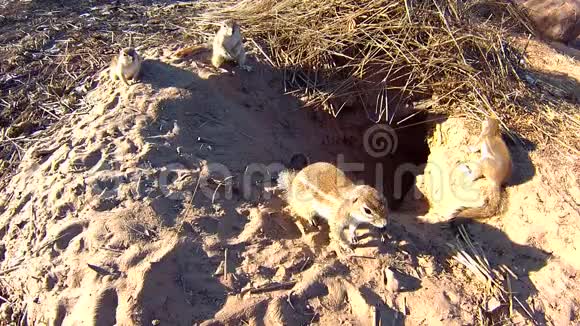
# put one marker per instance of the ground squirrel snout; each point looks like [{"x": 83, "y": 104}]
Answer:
[
  {"x": 126, "y": 65},
  {"x": 321, "y": 189}
]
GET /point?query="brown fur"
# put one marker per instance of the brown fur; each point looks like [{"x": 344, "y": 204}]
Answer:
[
  {"x": 228, "y": 46},
  {"x": 125, "y": 66},
  {"x": 194, "y": 49},
  {"x": 495, "y": 165},
  {"x": 321, "y": 189}
]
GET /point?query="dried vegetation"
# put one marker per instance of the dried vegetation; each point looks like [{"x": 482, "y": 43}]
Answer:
[{"x": 448, "y": 56}]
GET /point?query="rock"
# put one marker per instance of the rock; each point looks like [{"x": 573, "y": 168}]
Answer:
[
  {"x": 401, "y": 304},
  {"x": 281, "y": 274},
  {"x": 558, "y": 20},
  {"x": 220, "y": 269},
  {"x": 492, "y": 304},
  {"x": 427, "y": 264},
  {"x": 392, "y": 282}
]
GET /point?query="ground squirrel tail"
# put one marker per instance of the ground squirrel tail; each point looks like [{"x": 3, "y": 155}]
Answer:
[
  {"x": 191, "y": 50},
  {"x": 285, "y": 179},
  {"x": 488, "y": 209}
]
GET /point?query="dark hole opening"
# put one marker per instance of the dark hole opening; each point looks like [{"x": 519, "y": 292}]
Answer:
[{"x": 388, "y": 157}]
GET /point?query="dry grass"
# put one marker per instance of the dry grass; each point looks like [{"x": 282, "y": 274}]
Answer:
[
  {"x": 381, "y": 54},
  {"x": 384, "y": 55},
  {"x": 496, "y": 281}
]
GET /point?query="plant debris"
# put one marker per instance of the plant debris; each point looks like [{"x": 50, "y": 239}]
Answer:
[{"x": 387, "y": 55}]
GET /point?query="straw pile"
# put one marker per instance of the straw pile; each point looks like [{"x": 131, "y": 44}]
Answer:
[{"x": 454, "y": 54}]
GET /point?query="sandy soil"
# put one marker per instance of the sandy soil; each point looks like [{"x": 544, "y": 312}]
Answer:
[
  {"x": 151, "y": 209},
  {"x": 552, "y": 67}
]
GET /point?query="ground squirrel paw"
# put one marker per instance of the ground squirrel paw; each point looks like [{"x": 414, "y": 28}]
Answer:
[{"x": 354, "y": 239}]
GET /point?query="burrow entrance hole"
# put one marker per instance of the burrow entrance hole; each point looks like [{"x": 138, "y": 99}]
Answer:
[{"x": 386, "y": 156}]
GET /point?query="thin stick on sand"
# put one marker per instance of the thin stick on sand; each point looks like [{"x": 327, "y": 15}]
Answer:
[
  {"x": 226, "y": 264},
  {"x": 375, "y": 315},
  {"x": 271, "y": 287}
]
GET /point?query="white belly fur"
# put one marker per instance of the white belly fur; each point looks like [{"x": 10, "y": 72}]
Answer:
[
  {"x": 485, "y": 151},
  {"x": 322, "y": 210},
  {"x": 131, "y": 70}
]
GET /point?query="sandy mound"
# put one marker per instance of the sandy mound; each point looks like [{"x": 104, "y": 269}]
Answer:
[{"x": 150, "y": 208}]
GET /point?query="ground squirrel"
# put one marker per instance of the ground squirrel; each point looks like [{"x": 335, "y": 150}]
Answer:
[
  {"x": 324, "y": 190},
  {"x": 228, "y": 45},
  {"x": 127, "y": 65},
  {"x": 495, "y": 165}
]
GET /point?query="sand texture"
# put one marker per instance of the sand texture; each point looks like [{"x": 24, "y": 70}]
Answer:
[{"x": 150, "y": 208}]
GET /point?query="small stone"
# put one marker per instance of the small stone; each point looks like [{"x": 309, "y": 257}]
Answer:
[
  {"x": 427, "y": 265},
  {"x": 451, "y": 296},
  {"x": 23, "y": 128},
  {"x": 220, "y": 269},
  {"x": 493, "y": 304},
  {"x": 281, "y": 274},
  {"x": 391, "y": 281},
  {"x": 155, "y": 322}
]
